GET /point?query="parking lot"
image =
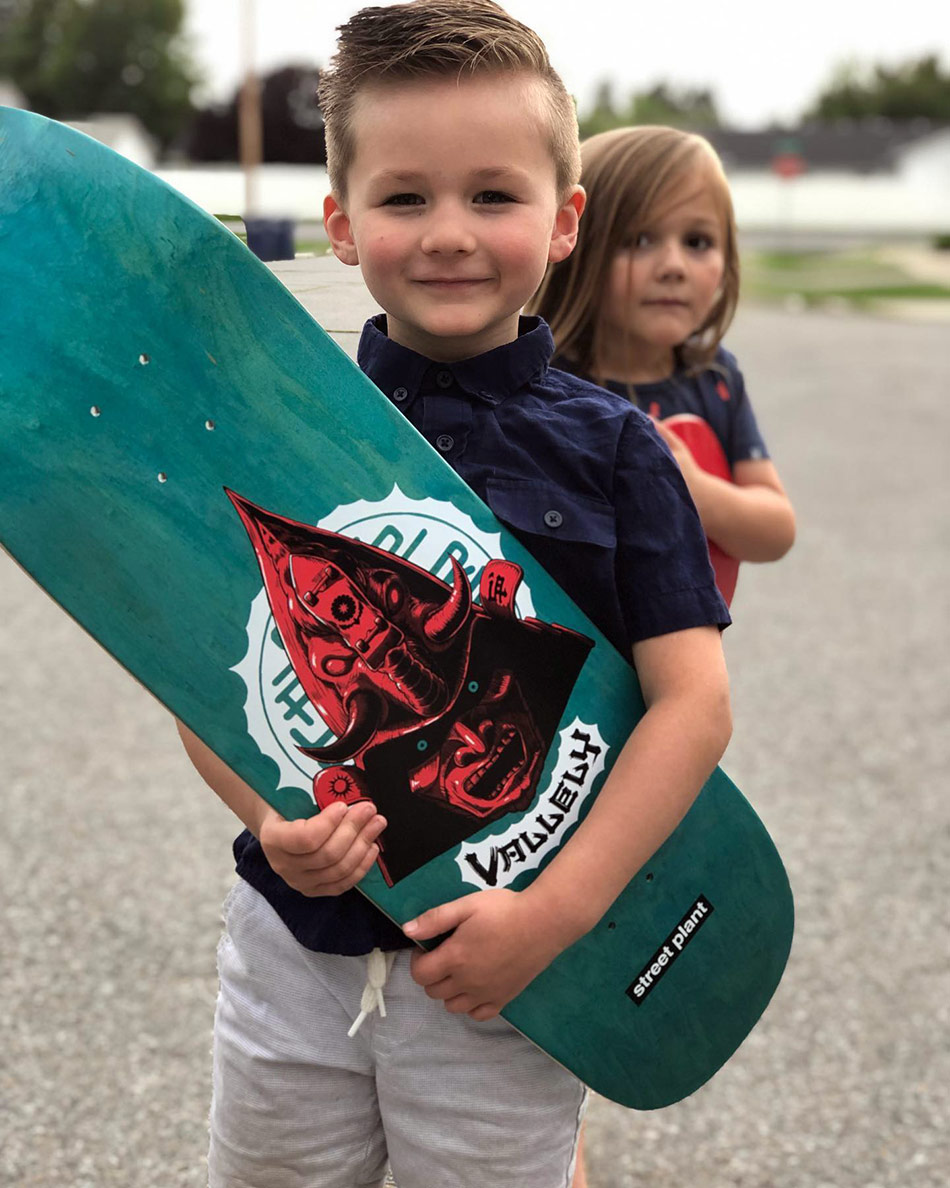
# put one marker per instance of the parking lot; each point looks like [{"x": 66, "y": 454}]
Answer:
[{"x": 114, "y": 858}]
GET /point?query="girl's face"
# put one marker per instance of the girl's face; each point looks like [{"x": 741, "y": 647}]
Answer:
[{"x": 662, "y": 284}]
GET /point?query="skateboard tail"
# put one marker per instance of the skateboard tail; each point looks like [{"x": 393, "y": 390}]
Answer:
[{"x": 694, "y": 948}]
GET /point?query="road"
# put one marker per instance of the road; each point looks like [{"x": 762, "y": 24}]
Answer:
[{"x": 114, "y": 858}]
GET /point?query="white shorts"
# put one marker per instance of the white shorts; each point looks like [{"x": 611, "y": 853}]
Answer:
[{"x": 448, "y": 1102}]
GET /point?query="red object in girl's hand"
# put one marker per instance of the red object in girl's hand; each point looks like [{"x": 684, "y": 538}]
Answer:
[{"x": 704, "y": 445}]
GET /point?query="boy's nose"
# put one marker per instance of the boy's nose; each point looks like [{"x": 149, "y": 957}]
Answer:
[{"x": 446, "y": 234}]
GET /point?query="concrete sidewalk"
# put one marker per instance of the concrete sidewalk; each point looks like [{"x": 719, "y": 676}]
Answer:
[{"x": 114, "y": 858}]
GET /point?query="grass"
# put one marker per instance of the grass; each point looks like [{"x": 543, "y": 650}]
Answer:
[
  {"x": 235, "y": 223},
  {"x": 859, "y": 278}
]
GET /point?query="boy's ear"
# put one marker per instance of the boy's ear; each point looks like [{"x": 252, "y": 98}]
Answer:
[
  {"x": 564, "y": 235},
  {"x": 340, "y": 233}
]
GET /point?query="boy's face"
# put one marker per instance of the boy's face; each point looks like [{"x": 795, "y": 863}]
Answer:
[{"x": 452, "y": 210}]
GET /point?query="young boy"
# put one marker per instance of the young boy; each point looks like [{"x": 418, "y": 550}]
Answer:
[{"x": 453, "y": 159}]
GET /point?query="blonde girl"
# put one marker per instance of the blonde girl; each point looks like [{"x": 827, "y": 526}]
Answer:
[{"x": 641, "y": 308}]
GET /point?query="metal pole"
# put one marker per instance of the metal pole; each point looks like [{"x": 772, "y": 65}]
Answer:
[{"x": 250, "y": 123}]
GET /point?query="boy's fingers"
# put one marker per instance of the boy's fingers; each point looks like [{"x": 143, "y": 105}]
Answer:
[
  {"x": 348, "y": 841},
  {"x": 435, "y": 982},
  {"x": 345, "y": 848},
  {"x": 333, "y": 829},
  {"x": 483, "y": 1013},
  {"x": 341, "y": 881},
  {"x": 354, "y": 857},
  {"x": 438, "y": 919},
  {"x": 460, "y": 1004},
  {"x": 294, "y": 837}
]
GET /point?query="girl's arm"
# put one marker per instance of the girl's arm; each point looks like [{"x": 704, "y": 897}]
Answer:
[
  {"x": 503, "y": 939},
  {"x": 322, "y": 855},
  {"x": 750, "y": 518}
]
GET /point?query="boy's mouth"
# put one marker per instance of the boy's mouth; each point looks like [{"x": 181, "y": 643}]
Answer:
[{"x": 458, "y": 282}]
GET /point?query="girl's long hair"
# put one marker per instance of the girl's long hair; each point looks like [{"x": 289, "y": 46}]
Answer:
[{"x": 629, "y": 175}]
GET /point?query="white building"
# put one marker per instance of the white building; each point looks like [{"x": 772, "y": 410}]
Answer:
[{"x": 876, "y": 177}]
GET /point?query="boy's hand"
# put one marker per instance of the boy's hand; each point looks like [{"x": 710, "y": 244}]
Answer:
[
  {"x": 326, "y": 854},
  {"x": 495, "y": 950}
]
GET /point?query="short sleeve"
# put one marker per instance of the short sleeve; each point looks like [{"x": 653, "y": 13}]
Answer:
[
  {"x": 745, "y": 441},
  {"x": 664, "y": 577}
]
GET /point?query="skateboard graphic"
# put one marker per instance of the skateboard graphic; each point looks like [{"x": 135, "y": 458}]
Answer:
[
  {"x": 203, "y": 479},
  {"x": 442, "y": 710}
]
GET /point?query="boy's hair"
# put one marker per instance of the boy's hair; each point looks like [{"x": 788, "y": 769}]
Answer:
[
  {"x": 438, "y": 39},
  {"x": 629, "y": 173}
]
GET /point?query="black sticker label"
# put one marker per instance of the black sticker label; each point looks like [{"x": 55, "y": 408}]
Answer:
[{"x": 645, "y": 983}]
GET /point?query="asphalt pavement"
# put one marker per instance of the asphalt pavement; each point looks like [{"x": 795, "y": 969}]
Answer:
[{"x": 114, "y": 858}]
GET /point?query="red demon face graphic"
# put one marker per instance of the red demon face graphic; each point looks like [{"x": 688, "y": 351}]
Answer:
[
  {"x": 432, "y": 697},
  {"x": 489, "y": 758}
]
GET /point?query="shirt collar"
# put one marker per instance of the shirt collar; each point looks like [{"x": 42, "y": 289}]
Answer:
[{"x": 492, "y": 377}]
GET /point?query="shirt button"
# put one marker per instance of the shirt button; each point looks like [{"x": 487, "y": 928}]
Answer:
[
  {"x": 444, "y": 442},
  {"x": 400, "y": 393},
  {"x": 444, "y": 379},
  {"x": 553, "y": 519}
]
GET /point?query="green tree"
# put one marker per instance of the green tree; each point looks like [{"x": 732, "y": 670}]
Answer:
[
  {"x": 686, "y": 108},
  {"x": 915, "y": 89},
  {"x": 72, "y": 58},
  {"x": 603, "y": 115},
  {"x": 663, "y": 104}
]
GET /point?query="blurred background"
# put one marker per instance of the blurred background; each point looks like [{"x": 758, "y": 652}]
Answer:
[{"x": 833, "y": 121}]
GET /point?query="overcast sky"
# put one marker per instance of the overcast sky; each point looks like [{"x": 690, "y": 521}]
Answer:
[{"x": 765, "y": 62}]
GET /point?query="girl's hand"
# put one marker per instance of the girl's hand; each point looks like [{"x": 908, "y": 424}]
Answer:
[
  {"x": 680, "y": 451},
  {"x": 495, "y": 950},
  {"x": 326, "y": 854}
]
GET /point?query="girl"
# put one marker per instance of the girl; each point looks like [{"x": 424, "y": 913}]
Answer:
[{"x": 641, "y": 307}]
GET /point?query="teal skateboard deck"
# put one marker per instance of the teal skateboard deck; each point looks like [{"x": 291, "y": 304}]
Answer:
[{"x": 199, "y": 476}]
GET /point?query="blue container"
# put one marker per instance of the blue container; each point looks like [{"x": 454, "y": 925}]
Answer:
[{"x": 270, "y": 239}]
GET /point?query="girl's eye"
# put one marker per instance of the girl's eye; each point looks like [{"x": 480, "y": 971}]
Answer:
[
  {"x": 700, "y": 242},
  {"x": 492, "y": 198},
  {"x": 404, "y": 200},
  {"x": 642, "y": 239}
]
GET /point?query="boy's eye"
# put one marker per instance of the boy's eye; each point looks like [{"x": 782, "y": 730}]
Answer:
[
  {"x": 404, "y": 200},
  {"x": 492, "y": 197}
]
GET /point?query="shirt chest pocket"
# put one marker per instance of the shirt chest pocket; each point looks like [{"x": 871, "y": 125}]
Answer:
[{"x": 546, "y": 511}]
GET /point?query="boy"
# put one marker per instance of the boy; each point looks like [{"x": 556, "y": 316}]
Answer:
[{"x": 452, "y": 151}]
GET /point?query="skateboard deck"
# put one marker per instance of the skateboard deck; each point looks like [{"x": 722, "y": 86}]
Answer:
[
  {"x": 214, "y": 491},
  {"x": 707, "y": 451}
]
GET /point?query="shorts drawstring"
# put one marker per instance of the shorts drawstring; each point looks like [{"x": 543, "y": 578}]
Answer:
[{"x": 378, "y": 965}]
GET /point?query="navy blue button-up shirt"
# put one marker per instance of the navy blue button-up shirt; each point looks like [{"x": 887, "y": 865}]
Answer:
[
  {"x": 578, "y": 474},
  {"x": 583, "y": 480}
]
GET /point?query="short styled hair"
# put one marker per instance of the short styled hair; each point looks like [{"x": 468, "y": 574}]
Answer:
[
  {"x": 629, "y": 174},
  {"x": 438, "y": 39}
]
